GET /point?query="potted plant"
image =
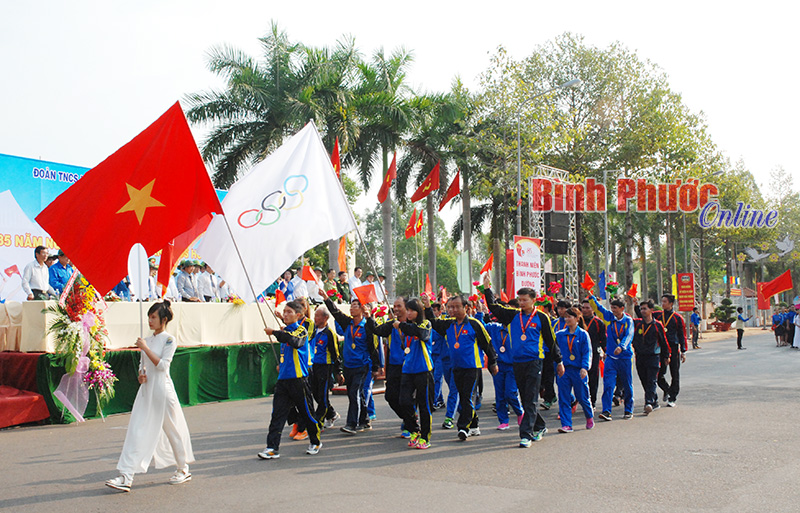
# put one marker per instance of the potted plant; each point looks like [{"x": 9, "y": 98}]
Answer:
[{"x": 724, "y": 315}]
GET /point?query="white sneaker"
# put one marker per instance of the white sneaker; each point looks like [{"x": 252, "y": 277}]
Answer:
[
  {"x": 475, "y": 432},
  {"x": 671, "y": 404},
  {"x": 313, "y": 449},
  {"x": 330, "y": 422},
  {"x": 180, "y": 476},
  {"x": 269, "y": 454},
  {"x": 121, "y": 483}
]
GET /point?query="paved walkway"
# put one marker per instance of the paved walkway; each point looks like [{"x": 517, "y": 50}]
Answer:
[{"x": 729, "y": 445}]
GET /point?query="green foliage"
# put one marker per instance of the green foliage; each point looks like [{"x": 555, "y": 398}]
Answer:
[{"x": 724, "y": 313}]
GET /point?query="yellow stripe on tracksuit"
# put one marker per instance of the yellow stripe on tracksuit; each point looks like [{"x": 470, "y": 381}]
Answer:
[{"x": 478, "y": 360}]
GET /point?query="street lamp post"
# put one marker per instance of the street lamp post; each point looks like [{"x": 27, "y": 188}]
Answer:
[
  {"x": 566, "y": 85},
  {"x": 605, "y": 178}
]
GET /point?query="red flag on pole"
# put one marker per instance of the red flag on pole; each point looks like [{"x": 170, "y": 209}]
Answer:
[
  {"x": 503, "y": 296},
  {"x": 335, "y": 160},
  {"x": 428, "y": 185},
  {"x": 11, "y": 271},
  {"x": 428, "y": 287},
  {"x": 151, "y": 190},
  {"x": 280, "y": 297},
  {"x": 418, "y": 226},
  {"x": 366, "y": 294},
  {"x": 171, "y": 253},
  {"x": 343, "y": 253},
  {"x": 488, "y": 265},
  {"x": 307, "y": 274},
  {"x": 780, "y": 284},
  {"x": 391, "y": 174},
  {"x": 633, "y": 291},
  {"x": 412, "y": 225},
  {"x": 452, "y": 191},
  {"x": 588, "y": 282}
]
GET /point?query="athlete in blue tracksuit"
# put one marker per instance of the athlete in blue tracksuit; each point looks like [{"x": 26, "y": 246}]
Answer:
[
  {"x": 619, "y": 354},
  {"x": 437, "y": 350},
  {"x": 505, "y": 385},
  {"x": 395, "y": 356},
  {"x": 576, "y": 350}
]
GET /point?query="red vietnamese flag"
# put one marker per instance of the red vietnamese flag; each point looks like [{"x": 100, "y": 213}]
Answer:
[
  {"x": 633, "y": 291},
  {"x": 342, "y": 260},
  {"x": 428, "y": 286},
  {"x": 488, "y": 265},
  {"x": 391, "y": 174},
  {"x": 588, "y": 282},
  {"x": 150, "y": 191},
  {"x": 452, "y": 191},
  {"x": 780, "y": 284},
  {"x": 428, "y": 185},
  {"x": 503, "y": 296},
  {"x": 418, "y": 226},
  {"x": 280, "y": 297},
  {"x": 171, "y": 253},
  {"x": 11, "y": 271},
  {"x": 335, "y": 160},
  {"x": 412, "y": 225},
  {"x": 366, "y": 294}
]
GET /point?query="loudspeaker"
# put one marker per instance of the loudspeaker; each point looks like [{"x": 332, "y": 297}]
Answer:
[
  {"x": 556, "y": 219},
  {"x": 556, "y": 247},
  {"x": 556, "y": 232}
]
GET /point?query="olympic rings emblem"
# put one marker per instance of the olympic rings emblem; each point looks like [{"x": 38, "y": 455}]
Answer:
[{"x": 269, "y": 211}]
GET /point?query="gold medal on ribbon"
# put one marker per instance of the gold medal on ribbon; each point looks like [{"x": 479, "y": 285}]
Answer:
[
  {"x": 353, "y": 346},
  {"x": 407, "y": 350},
  {"x": 281, "y": 359},
  {"x": 456, "y": 345},
  {"x": 524, "y": 337},
  {"x": 502, "y": 349},
  {"x": 572, "y": 357}
]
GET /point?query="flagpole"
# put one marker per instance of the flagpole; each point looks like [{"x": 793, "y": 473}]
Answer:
[
  {"x": 419, "y": 280},
  {"x": 141, "y": 296},
  {"x": 252, "y": 289}
]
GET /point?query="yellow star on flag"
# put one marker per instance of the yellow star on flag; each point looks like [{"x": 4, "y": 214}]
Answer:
[{"x": 140, "y": 200}]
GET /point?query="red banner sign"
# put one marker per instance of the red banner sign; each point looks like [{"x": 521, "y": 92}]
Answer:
[{"x": 685, "y": 292}]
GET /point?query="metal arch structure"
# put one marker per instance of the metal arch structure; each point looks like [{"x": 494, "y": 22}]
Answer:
[{"x": 536, "y": 228}]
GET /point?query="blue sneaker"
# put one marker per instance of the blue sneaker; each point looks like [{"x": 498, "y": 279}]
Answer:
[
  {"x": 525, "y": 442},
  {"x": 373, "y": 417},
  {"x": 539, "y": 434},
  {"x": 405, "y": 434}
]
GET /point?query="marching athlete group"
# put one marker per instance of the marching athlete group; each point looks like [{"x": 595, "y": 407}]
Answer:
[{"x": 517, "y": 341}]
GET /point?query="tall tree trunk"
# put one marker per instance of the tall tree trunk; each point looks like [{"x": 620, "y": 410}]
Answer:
[
  {"x": 431, "y": 243},
  {"x": 386, "y": 221},
  {"x": 656, "y": 241},
  {"x": 644, "y": 294},
  {"x": 596, "y": 263},
  {"x": 578, "y": 245},
  {"x": 333, "y": 255},
  {"x": 704, "y": 286},
  {"x": 728, "y": 268},
  {"x": 613, "y": 266},
  {"x": 499, "y": 255},
  {"x": 628, "y": 255},
  {"x": 670, "y": 251},
  {"x": 466, "y": 222}
]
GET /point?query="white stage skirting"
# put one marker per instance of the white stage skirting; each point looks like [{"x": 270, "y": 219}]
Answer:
[{"x": 23, "y": 326}]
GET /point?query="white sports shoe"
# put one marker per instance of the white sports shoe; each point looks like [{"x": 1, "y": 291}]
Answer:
[
  {"x": 269, "y": 454},
  {"x": 121, "y": 483},
  {"x": 180, "y": 476},
  {"x": 330, "y": 422},
  {"x": 475, "y": 432},
  {"x": 313, "y": 449}
]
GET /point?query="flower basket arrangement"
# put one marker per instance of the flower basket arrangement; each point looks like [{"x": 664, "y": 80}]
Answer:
[
  {"x": 612, "y": 287},
  {"x": 80, "y": 333}
]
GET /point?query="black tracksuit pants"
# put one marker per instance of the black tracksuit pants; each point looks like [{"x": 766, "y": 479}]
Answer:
[
  {"x": 417, "y": 390},
  {"x": 647, "y": 366},
  {"x": 394, "y": 373},
  {"x": 674, "y": 387},
  {"x": 321, "y": 384},
  {"x": 529, "y": 377},
  {"x": 291, "y": 393},
  {"x": 466, "y": 382}
]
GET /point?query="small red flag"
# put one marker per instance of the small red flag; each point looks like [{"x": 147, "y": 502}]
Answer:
[
  {"x": 428, "y": 185},
  {"x": 418, "y": 226},
  {"x": 444, "y": 294},
  {"x": 307, "y": 274},
  {"x": 150, "y": 191},
  {"x": 503, "y": 296},
  {"x": 366, "y": 294},
  {"x": 588, "y": 283},
  {"x": 11, "y": 271},
  {"x": 412, "y": 225},
  {"x": 171, "y": 253},
  {"x": 452, "y": 191},
  {"x": 633, "y": 290},
  {"x": 391, "y": 174},
  {"x": 280, "y": 297},
  {"x": 488, "y": 265},
  {"x": 780, "y": 284},
  {"x": 335, "y": 160},
  {"x": 428, "y": 287}
]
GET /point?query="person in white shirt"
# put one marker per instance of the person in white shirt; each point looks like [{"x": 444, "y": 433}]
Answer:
[
  {"x": 300, "y": 289},
  {"x": 223, "y": 289},
  {"x": 172, "y": 289},
  {"x": 314, "y": 294},
  {"x": 207, "y": 283},
  {"x": 36, "y": 276},
  {"x": 355, "y": 281},
  {"x": 153, "y": 290},
  {"x": 185, "y": 283}
]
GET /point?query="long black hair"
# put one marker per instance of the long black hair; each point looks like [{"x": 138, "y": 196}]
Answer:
[{"x": 416, "y": 305}]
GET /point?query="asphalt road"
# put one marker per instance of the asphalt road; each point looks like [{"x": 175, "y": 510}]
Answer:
[{"x": 729, "y": 445}]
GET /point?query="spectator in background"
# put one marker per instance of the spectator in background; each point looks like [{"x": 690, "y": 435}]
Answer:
[
  {"x": 286, "y": 285},
  {"x": 51, "y": 259},
  {"x": 315, "y": 295},
  {"x": 343, "y": 287},
  {"x": 153, "y": 289},
  {"x": 185, "y": 283},
  {"x": 694, "y": 323},
  {"x": 60, "y": 273},
  {"x": 172, "y": 293},
  {"x": 122, "y": 290},
  {"x": 207, "y": 284},
  {"x": 330, "y": 282},
  {"x": 300, "y": 289},
  {"x": 355, "y": 281},
  {"x": 36, "y": 278}
]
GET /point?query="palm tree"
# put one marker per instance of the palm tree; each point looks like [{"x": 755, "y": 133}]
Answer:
[{"x": 381, "y": 106}]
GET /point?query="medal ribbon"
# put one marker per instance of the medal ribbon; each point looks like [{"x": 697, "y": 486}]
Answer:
[
  {"x": 458, "y": 327},
  {"x": 671, "y": 315},
  {"x": 570, "y": 341},
  {"x": 528, "y": 324},
  {"x": 617, "y": 331}
]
